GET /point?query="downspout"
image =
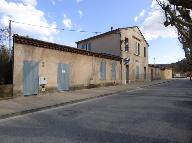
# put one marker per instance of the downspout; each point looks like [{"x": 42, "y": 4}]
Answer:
[{"x": 121, "y": 59}]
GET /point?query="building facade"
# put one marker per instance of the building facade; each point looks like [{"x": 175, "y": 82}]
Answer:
[
  {"x": 41, "y": 66},
  {"x": 128, "y": 43},
  {"x": 157, "y": 72}
]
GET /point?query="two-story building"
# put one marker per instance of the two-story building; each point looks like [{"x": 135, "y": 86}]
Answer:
[{"x": 128, "y": 43}]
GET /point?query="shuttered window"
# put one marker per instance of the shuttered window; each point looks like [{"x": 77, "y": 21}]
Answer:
[
  {"x": 89, "y": 47},
  {"x": 126, "y": 44},
  {"x": 136, "y": 52},
  {"x": 114, "y": 67},
  {"x": 137, "y": 72},
  {"x": 103, "y": 70}
]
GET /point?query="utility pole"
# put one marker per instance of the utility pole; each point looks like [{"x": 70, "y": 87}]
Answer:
[
  {"x": 154, "y": 60},
  {"x": 9, "y": 34}
]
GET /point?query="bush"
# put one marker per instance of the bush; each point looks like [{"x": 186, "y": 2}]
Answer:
[{"x": 6, "y": 71}]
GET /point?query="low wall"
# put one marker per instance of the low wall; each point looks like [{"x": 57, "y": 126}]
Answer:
[{"x": 6, "y": 90}]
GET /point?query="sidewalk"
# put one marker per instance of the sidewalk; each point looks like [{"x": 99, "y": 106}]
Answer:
[{"x": 24, "y": 105}]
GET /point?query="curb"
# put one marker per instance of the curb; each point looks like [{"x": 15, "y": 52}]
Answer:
[{"x": 71, "y": 102}]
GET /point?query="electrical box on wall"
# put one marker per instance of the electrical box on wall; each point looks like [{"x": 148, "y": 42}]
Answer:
[{"x": 43, "y": 80}]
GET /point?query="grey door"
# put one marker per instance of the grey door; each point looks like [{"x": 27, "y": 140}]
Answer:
[
  {"x": 127, "y": 73},
  {"x": 30, "y": 78},
  {"x": 145, "y": 73},
  {"x": 63, "y": 77}
]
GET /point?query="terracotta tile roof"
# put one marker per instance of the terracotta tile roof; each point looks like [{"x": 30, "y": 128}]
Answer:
[
  {"x": 152, "y": 65},
  {"x": 43, "y": 44}
]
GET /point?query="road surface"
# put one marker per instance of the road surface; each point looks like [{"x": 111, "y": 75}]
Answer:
[{"x": 159, "y": 114}]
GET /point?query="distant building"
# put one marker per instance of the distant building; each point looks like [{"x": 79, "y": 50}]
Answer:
[
  {"x": 157, "y": 72},
  {"x": 128, "y": 43}
]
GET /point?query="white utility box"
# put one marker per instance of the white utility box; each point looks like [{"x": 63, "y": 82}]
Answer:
[{"x": 43, "y": 80}]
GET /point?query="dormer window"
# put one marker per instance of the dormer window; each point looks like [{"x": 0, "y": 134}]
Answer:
[
  {"x": 86, "y": 46},
  {"x": 83, "y": 47}
]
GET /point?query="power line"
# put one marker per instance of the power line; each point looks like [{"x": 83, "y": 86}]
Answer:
[{"x": 61, "y": 29}]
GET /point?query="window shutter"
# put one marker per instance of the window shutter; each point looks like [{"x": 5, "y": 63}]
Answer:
[
  {"x": 103, "y": 70},
  {"x": 89, "y": 47},
  {"x": 114, "y": 65},
  {"x": 136, "y": 48},
  {"x": 137, "y": 72}
]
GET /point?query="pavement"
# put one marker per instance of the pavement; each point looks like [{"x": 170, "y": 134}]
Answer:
[
  {"x": 23, "y": 105},
  {"x": 151, "y": 114}
]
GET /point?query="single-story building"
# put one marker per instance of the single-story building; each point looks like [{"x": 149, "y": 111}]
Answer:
[
  {"x": 154, "y": 72},
  {"x": 166, "y": 73},
  {"x": 157, "y": 72},
  {"x": 41, "y": 66}
]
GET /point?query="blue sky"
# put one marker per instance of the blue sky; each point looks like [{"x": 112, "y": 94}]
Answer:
[{"x": 91, "y": 16}]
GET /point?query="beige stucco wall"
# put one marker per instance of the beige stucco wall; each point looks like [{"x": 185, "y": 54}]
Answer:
[
  {"x": 108, "y": 44},
  {"x": 159, "y": 73},
  {"x": 83, "y": 69},
  {"x": 166, "y": 74},
  {"x": 113, "y": 44},
  {"x": 135, "y": 60}
]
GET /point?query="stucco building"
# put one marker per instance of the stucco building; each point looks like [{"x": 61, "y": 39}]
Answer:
[
  {"x": 40, "y": 65},
  {"x": 157, "y": 72},
  {"x": 127, "y": 43},
  {"x": 166, "y": 73}
]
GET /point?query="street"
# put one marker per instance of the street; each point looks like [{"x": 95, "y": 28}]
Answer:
[{"x": 157, "y": 114}]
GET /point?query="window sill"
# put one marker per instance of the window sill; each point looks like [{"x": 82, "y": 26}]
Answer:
[{"x": 137, "y": 55}]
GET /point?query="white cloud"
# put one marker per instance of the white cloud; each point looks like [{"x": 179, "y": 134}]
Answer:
[
  {"x": 67, "y": 22},
  {"x": 30, "y": 2},
  {"x": 136, "y": 18},
  {"x": 153, "y": 27},
  {"x": 153, "y": 3},
  {"x": 141, "y": 14},
  {"x": 80, "y": 13},
  {"x": 26, "y": 12}
]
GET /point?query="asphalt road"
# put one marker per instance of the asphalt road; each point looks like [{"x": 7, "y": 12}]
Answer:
[{"x": 159, "y": 114}]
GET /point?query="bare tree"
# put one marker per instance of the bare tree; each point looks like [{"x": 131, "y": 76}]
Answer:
[{"x": 178, "y": 14}]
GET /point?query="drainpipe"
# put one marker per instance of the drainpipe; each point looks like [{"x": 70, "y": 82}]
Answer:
[{"x": 121, "y": 60}]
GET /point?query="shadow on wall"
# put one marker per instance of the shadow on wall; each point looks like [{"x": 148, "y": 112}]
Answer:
[
  {"x": 6, "y": 70},
  {"x": 6, "y": 90}
]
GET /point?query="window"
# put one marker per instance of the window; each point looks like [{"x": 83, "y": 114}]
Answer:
[
  {"x": 83, "y": 47},
  {"x": 144, "y": 51},
  {"x": 126, "y": 44},
  {"x": 89, "y": 47},
  {"x": 114, "y": 65},
  {"x": 137, "y": 48},
  {"x": 137, "y": 72},
  {"x": 145, "y": 73},
  {"x": 86, "y": 46},
  {"x": 103, "y": 70}
]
